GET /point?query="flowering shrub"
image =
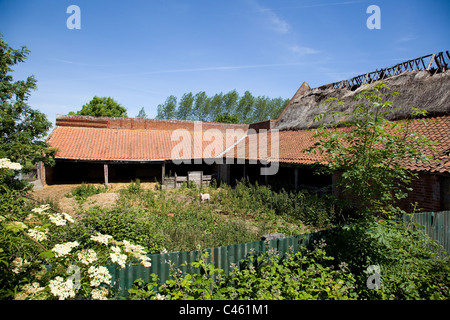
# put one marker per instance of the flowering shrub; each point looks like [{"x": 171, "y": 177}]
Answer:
[
  {"x": 38, "y": 260},
  {"x": 7, "y": 164}
]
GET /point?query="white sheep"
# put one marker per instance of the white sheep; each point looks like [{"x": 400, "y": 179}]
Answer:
[{"x": 204, "y": 197}]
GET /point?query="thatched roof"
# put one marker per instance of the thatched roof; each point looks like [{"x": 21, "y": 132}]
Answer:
[{"x": 419, "y": 89}]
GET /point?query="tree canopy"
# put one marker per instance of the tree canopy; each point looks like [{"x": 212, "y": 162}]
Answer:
[
  {"x": 102, "y": 107},
  {"x": 22, "y": 129},
  {"x": 141, "y": 114},
  {"x": 228, "y": 107},
  {"x": 372, "y": 152}
]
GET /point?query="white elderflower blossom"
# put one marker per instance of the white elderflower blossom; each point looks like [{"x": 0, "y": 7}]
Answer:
[
  {"x": 21, "y": 296},
  {"x": 137, "y": 252},
  {"x": 101, "y": 238},
  {"x": 132, "y": 248},
  {"x": 99, "y": 275},
  {"x": 68, "y": 217},
  {"x": 62, "y": 289},
  {"x": 29, "y": 291},
  {"x": 7, "y": 164},
  {"x": 145, "y": 261},
  {"x": 118, "y": 257},
  {"x": 41, "y": 209},
  {"x": 32, "y": 288},
  {"x": 160, "y": 297},
  {"x": 87, "y": 256},
  {"x": 57, "y": 219},
  {"x": 37, "y": 234},
  {"x": 64, "y": 248},
  {"x": 19, "y": 265},
  {"x": 99, "y": 293}
]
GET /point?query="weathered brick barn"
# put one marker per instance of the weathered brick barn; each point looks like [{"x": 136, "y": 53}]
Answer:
[{"x": 122, "y": 149}]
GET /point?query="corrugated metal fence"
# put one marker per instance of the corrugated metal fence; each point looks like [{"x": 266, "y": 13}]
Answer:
[
  {"x": 436, "y": 225},
  {"x": 221, "y": 257}
]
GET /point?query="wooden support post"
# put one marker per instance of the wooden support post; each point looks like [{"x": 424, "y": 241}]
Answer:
[
  {"x": 201, "y": 180},
  {"x": 266, "y": 177},
  {"x": 163, "y": 172},
  {"x": 105, "y": 172},
  {"x": 175, "y": 181},
  {"x": 296, "y": 178}
]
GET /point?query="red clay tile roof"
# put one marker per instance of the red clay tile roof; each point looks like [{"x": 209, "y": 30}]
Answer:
[
  {"x": 146, "y": 140},
  {"x": 292, "y": 145},
  {"x": 126, "y": 139}
]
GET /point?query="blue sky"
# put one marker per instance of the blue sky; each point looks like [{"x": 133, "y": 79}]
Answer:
[{"x": 140, "y": 52}]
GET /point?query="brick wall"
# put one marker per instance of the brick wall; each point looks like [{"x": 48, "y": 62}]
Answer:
[
  {"x": 147, "y": 124},
  {"x": 426, "y": 192}
]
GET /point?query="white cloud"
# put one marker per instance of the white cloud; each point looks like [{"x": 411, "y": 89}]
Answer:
[
  {"x": 278, "y": 24},
  {"x": 301, "y": 51},
  {"x": 406, "y": 39},
  {"x": 275, "y": 22}
]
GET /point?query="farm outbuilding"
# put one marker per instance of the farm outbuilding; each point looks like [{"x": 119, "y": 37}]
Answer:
[{"x": 100, "y": 149}]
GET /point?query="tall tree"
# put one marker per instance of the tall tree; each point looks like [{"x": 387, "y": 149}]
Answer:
[
  {"x": 202, "y": 106},
  {"x": 277, "y": 106},
  {"x": 216, "y": 106},
  {"x": 168, "y": 110},
  {"x": 22, "y": 129},
  {"x": 261, "y": 110},
  {"x": 230, "y": 101},
  {"x": 245, "y": 106},
  {"x": 185, "y": 107},
  {"x": 141, "y": 114},
  {"x": 102, "y": 107}
]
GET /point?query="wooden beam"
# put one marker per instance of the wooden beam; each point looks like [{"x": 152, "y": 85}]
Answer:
[
  {"x": 163, "y": 172},
  {"x": 296, "y": 178},
  {"x": 105, "y": 173},
  {"x": 431, "y": 61}
]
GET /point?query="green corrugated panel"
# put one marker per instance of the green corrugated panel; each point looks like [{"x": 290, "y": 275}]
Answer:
[
  {"x": 441, "y": 229},
  {"x": 222, "y": 257},
  {"x": 288, "y": 245},
  {"x": 435, "y": 224}
]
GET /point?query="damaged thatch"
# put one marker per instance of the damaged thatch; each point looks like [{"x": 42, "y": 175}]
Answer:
[{"x": 419, "y": 89}]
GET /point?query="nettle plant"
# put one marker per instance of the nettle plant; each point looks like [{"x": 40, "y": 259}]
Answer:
[{"x": 38, "y": 260}]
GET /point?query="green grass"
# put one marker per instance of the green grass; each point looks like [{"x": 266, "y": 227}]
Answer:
[
  {"x": 176, "y": 219},
  {"x": 83, "y": 191}
]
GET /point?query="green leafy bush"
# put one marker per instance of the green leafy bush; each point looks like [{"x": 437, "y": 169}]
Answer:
[
  {"x": 411, "y": 265},
  {"x": 83, "y": 191},
  {"x": 304, "y": 275},
  {"x": 135, "y": 186},
  {"x": 122, "y": 223},
  {"x": 40, "y": 257},
  {"x": 300, "y": 207}
]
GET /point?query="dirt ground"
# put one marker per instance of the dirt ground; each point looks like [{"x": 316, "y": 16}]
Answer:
[{"x": 57, "y": 195}]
